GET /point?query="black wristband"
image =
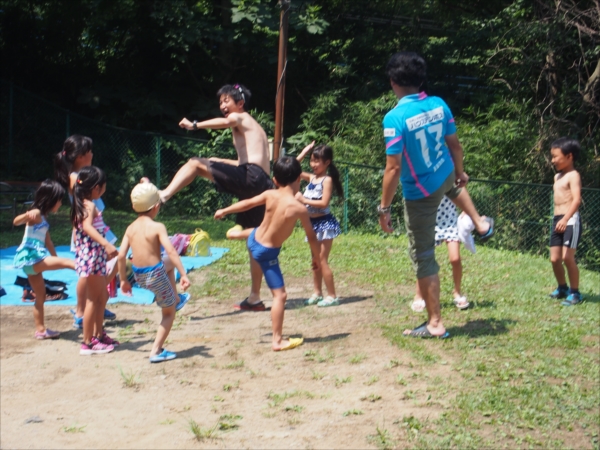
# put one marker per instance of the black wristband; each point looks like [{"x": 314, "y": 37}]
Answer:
[{"x": 195, "y": 125}]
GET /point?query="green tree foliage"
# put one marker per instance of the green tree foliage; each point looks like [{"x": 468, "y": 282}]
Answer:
[{"x": 516, "y": 73}]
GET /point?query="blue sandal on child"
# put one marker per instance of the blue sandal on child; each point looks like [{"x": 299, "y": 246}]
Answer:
[{"x": 164, "y": 355}]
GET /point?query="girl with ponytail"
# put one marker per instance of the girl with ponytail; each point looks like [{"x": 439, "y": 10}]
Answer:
[
  {"x": 75, "y": 155},
  {"x": 321, "y": 185},
  {"x": 92, "y": 252}
]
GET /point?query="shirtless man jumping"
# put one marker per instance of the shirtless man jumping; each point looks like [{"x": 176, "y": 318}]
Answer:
[{"x": 246, "y": 177}]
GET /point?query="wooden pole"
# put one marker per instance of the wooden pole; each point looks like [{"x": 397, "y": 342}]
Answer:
[{"x": 281, "y": 68}]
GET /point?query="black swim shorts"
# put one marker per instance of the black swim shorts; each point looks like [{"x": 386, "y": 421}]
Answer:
[
  {"x": 243, "y": 181},
  {"x": 570, "y": 238}
]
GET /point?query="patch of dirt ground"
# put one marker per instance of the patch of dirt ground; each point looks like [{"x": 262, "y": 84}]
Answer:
[{"x": 225, "y": 379}]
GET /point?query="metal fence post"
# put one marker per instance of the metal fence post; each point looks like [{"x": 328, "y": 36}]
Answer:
[
  {"x": 346, "y": 182},
  {"x": 157, "y": 142},
  {"x": 551, "y": 215},
  {"x": 68, "y": 124},
  {"x": 10, "y": 129}
]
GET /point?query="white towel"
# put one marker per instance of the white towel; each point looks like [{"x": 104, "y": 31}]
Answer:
[{"x": 465, "y": 227}]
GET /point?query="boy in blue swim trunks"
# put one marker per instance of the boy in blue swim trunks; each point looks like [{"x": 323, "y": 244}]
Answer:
[
  {"x": 145, "y": 237},
  {"x": 265, "y": 241}
]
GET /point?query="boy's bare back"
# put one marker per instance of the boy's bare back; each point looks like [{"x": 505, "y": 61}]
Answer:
[
  {"x": 564, "y": 184},
  {"x": 144, "y": 237},
  {"x": 282, "y": 212}
]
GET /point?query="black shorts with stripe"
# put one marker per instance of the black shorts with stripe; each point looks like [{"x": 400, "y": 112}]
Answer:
[{"x": 570, "y": 238}]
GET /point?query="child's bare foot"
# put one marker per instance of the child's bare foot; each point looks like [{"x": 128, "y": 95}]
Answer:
[
  {"x": 161, "y": 194},
  {"x": 286, "y": 344}
]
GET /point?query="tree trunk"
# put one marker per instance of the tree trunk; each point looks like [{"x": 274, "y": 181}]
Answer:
[{"x": 591, "y": 93}]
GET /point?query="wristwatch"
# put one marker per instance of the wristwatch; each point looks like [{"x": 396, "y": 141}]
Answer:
[
  {"x": 381, "y": 210},
  {"x": 195, "y": 125}
]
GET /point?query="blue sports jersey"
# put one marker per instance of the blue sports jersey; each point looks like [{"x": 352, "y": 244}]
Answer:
[{"x": 416, "y": 128}]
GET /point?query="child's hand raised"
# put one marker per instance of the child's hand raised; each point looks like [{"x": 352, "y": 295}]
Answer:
[
  {"x": 111, "y": 250},
  {"x": 307, "y": 149},
  {"x": 126, "y": 288},
  {"x": 184, "y": 282}
]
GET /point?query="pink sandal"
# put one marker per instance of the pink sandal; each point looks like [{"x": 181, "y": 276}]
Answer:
[{"x": 48, "y": 334}]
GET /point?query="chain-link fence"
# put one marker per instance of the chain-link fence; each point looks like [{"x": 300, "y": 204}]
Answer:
[{"x": 33, "y": 131}]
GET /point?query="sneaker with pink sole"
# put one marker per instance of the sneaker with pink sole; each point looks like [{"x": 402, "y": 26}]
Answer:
[
  {"x": 95, "y": 347},
  {"x": 48, "y": 334}
]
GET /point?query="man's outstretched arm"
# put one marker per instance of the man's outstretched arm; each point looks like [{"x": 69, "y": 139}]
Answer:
[{"x": 218, "y": 123}]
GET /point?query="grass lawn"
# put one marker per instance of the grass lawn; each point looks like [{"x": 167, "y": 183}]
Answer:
[
  {"x": 522, "y": 370},
  {"x": 528, "y": 369}
]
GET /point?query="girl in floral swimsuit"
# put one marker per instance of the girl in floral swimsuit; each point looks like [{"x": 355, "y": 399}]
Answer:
[{"x": 92, "y": 252}]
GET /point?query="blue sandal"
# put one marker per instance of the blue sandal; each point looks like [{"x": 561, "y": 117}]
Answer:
[
  {"x": 164, "y": 355},
  {"x": 183, "y": 299},
  {"x": 490, "y": 232}
]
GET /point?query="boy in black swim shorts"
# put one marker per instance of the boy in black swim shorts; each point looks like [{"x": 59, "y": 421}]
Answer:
[
  {"x": 566, "y": 226},
  {"x": 242, "y": 181}
]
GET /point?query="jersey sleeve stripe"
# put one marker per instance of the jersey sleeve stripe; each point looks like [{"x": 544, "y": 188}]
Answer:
[{"x": 392, "y": 142}]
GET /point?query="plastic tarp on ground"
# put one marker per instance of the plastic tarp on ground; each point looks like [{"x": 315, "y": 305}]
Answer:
[{"x": 8, "y": 275}]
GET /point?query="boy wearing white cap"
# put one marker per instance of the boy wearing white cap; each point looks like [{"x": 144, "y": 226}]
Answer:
[{"x": 145, "y": 237}]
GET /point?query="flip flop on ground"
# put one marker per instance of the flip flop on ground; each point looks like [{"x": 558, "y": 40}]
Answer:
[
  {"x": 461, "y": 302},
  {"x": 247, "y": 306},
  {"x": 422, "y": 332},
  {"x": 293, "y": 343}
]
